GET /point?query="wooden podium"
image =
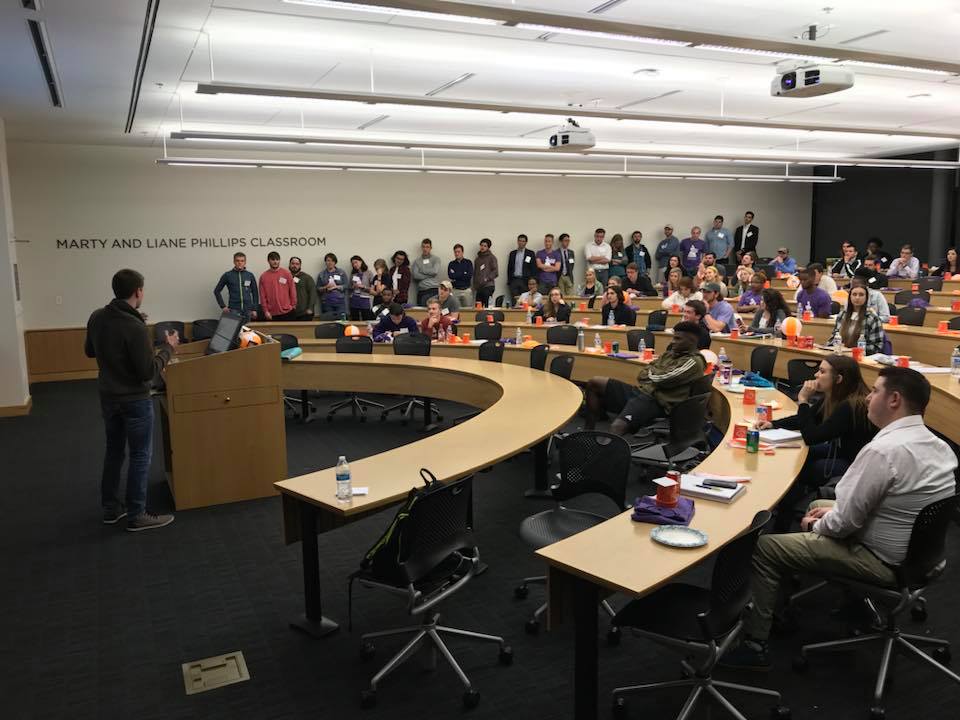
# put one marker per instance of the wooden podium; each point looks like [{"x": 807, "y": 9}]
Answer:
[{"x": 223, "y": 425}]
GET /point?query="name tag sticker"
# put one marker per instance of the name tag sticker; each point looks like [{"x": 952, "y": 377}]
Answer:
[
  {"x": 246, "y": 283},
  {"x": 335, "y": 278},
  {"x": 297, "y": 280},
  {"x": 482, "y": 267},
  {"x": 283, "y": 280},
  {"x": 750, "y": 233},
  {"x": 445, "y": 311},
  {"x": 426, "y": 261},
  {"x": 569, "y": 261},
  {"x": 526, "y": 259}
]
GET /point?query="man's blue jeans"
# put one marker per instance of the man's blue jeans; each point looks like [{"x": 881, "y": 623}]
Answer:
[{"x": 127, "y": 423}]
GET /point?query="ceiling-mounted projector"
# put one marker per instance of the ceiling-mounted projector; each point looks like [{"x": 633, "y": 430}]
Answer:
[
  {"x": 796, "y": 80},
  {"x": 572, "y": 137}
]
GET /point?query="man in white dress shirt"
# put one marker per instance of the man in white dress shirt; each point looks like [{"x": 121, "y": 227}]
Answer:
[
  {"x": 598, "y": 255},
  {"x": 867, "y": 529},
  {"x": 905, "y": 266}
]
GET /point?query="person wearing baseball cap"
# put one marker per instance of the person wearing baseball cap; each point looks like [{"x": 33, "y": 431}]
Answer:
[
  {"x": 720, "y": 314},
  {"x": 783, "y": 262},
  {"x": 449, "y": 305},
  {"x": 670, "y": 245}
]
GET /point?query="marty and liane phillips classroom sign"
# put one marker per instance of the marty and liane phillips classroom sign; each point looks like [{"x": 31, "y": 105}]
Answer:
[{"x": 194, "y": 243}]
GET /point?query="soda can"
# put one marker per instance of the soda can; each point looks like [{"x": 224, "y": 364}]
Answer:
[
  {"x": 753, "y": 441},
  {"x": 615, "y": 347},
  {"x": 726, "y": 372}
]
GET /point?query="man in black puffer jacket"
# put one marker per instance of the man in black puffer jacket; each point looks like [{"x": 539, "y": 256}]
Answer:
[{"x": 128, "y": 365}]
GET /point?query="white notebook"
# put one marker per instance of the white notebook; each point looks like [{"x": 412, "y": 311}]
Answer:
[
  {"x": 778, "y": 436},
  {"x": 692, "y": 486}
]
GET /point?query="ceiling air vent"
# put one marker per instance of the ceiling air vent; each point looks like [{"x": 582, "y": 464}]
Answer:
[{"x": 38, "y": 33}]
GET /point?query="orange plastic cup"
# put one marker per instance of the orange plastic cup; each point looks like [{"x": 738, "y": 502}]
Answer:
[
  {"x": 479, "y": 306},
  {"x": 955, "y": 306},
  {"x": 538, "y": 320},
  {"x": 779, "y": 275},
  {"x": 608, "y": 347},
  {"x": 674, "y": 308},
  {"x": 947, "y": 276},
  {"x": 582, "y": 307},
  {"x": 709, "y": 368},
  {"x": 942, "y": 326},
  {"x": 807, "y": 315},
  {"x": 857, "y": 354},
  {"x": 466, "y": 337},
  {"x": 903, "y": 361},
  {"x": 527, "y": 338},
  {"x": 740, "y": 431},
  {"x": 734, "y": 333},
  {"x": 749, "y": 396},
  {"x": 648, "y": 354},
  {"x": 585, "y": 321},
  {"x": 915, "y": 287},
  {"x": 489, "y": 318},
  {"x": 766, "y": 285},
  {"x": 894, "y": 320}
]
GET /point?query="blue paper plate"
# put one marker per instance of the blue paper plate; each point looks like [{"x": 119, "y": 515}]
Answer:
[{"x": 678, "y": 536}]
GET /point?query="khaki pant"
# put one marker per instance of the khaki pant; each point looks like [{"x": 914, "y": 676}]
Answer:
[
  {"x": 779, "y": 555},
  {"x": 464, "y": 297},
  {"x": 565, "y": 283}
]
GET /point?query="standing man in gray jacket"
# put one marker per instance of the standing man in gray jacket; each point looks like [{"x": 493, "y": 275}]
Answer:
[{"x": 425, "y": 270}]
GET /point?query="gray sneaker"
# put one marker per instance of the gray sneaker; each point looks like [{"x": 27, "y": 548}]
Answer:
[
  {"x": 113, "y": 515},
  {"x": 147, "y": 521}
]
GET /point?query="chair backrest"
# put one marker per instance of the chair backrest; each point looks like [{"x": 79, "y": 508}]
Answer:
[
  {"x": 904, "y": 297},
  {"x": 203, "y": 329},
  {"x": 488, "y": 331},
  {"x": 286, "y": 340},
  {"x": 730, "y": 586},
  {"x": 491, "y": 351},
  {"x": 358, "y": 344},
  {"x": 160, "y": 330},
  {"x": 538, "y": 357},
  {"x": 911, "y": 315},
  {"x": 687, "y": 419},
  {"x": 954, "y": 323},
  {"x": 799, "y": 370},
  {"x": 562, "y": 335},
  {"x": 834, "y": 307},
  {"x": 593, "y": 462},
  {"x": 657, "y": 320},
  {"x": 411, "y": 344},
  {"x": 592, "y": 302},
  {"x": 331, "y": 315},
  {"x": 438, "y": 524},
  {"x": 499, "y": 301},
  {"x": 763, "y": 359},
  {"x": 328, "y": 331},
  {"x": 633, "y": 339},
  {"x": 562, "y": 365},
  {"x": 930, "y": 283},
  {"x": 481, "y": 315},
  {"x": 928, "y": 540}
]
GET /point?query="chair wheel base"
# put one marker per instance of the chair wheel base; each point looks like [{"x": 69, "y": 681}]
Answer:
[
  {"x": 780, "y": 712},
  {"x": 942, "y": 655},
  {"x": 368, "y": 699},
  {"x": 532, "y": 627},
  {"x": 619, "y": 709},
  {"x": 614, "y": 636},
  {"x": 471, "y": 698},
  {"x": 877, "y": 713},
  {"x": 506, "y": 655},
  {"x": 367, "y": 650},
  {"x": 520, "y": 592}
]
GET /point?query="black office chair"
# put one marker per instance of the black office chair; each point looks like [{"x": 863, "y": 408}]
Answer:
[
  {"x": 490, "y": 351},
  {"x": 954, "y": 323},
  {"x": 562, "y": 335},
  {"x": 299, "y": 405},
  {"x": 160, "y": 331},
  {"x": 562, "y": 365},
  {"x": 538, "y": 357},
  {"x": 481, "y": 315},
  {"x": 799, "y": 370},
  {"x": 412, "y": 344},
  {"x": 763, "y": 359},
  {"x": 904, "y": 297},
  {"x": 328, "y": 331},
  {"x": 591, "y": 462},
  {"x": 361, "y": 345},
  {"x": 437, "y": 557},
  {"x": 203, "y": 329},
  {"x": 924, "y": 564},
  {"x": 686, "y": 441},
  {"x": 332, "y": 315},
  {"x": 657, "y": 320},
  {"x": 834, "y": 307},
  {"x": 700, "y": 622},
  {"x": 499, "y": 301},
  {"x": 487, "y": 331},
  {"x": 912, "y": 316},
  {"x": 634, "y": 337},
  {"x": 930, "y": 283},
  {"x": 592, "y": 302}
]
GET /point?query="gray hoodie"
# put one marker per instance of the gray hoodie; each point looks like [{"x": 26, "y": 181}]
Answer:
[{"x": 425, "y": 271}]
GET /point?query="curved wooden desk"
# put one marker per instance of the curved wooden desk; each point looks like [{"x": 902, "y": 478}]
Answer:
[{"x": 505, "y": 392}]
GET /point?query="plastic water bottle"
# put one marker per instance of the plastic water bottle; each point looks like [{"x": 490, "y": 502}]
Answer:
[
  {"x": 955, "y": 363},
  {"x": 862, "y": 344},
  {"x": 642, "y": 346},
  {"x": 370, "y": 330},
  {"x": 808, "y": 308},
  {"x": 611, "y": 320},
  {"x": 344, "y": 488},
  {"x": 529, "y": 316},
  {"x": 581, "y": 341},
  {"x": 722, "y": 355},
  {"x": 597, "y": 342}
]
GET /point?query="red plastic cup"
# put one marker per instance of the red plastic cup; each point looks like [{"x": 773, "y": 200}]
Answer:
[
  {"x": 740, "y": 431},
  {"x": 466, "y": 337},
  {"x": 734, "y": 333},
  {"x": 489, "y": 318},
  {"x": 894, "y": 320},
  {"x": 955, "y": 306},
  {"x": 947, "y": 276},
  {"x": 479, "y": 306},
  {"x": 857, "y": 354},
  {"x": 903, "y": 361},
  {"x": 582, "y": 307},
  {"x": 648, "y": 354},
  {"x": 749, "y": 396},
  {"x": 766, "y": 285},
  {"x": 915, "y": 287},
  {"x": 674, "y": 308},
  {"x": 943, "y": 326},
  {"x": 538, "y": 320}
]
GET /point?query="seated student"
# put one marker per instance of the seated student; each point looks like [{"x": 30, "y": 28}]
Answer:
[
  {"x": 682, "y": 294},
  {"x": 449, "y": 306},
  {"x": 824, "y": 281},
  {"x": 396, "y": 321},
  {"x": 740, "y": 282},
  {"x": 750, "y": 298},
  {"x": 673, "y": 263},
  {"x": 905, "y": 266},
  {"x": 661, "y": 385},
  {"x": 672, "y": 282},
  {"x": 694, "y": 311},
  {"x": 810, "y": 297},
  {"x": 615, "y": 311},
  {"x": 709, "y": 260},
  {"x": 866, "y": 531},
  {"x": 871, "y": 273},
  {"x": 783, "y": 263},
  {"x": 712, "y": 275},
  {"x": 436, "y": 324},
  {"x": 636, "y": 284},
  {"x": 834, "y": 426},
  {"x": 847, "y": 265},
  {"x": 749, "y": 260},
  {"x": 771, "y": 313},
  {"x": 857, "y": 319},
  {"x": 383, "y": 308},
  {"x": 876, "y": 252},
  {"x": 590, "y": 288},
  {"x": 949, "y": 264},
  {"x": 532, "y": 296},
  {"x": 554, "y": 308},
  {"x": 875, "y": 299},
  {"x": 720, "y": 313}
]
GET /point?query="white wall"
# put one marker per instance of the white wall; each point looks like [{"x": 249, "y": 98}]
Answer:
[{"x": 82, "y": 192}]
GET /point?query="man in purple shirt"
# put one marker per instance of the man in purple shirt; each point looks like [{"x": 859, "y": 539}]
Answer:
[
  {"x": 720, "y": 314},
  {"x": 691, "y": 250},
  {"x": 548, "y": 265},
  {"x": 811, "y": 295}
]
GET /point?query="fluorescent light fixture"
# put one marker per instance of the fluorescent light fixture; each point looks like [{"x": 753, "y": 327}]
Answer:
[
  {"x": 602, "y": 35},
  {"x": 901, "y": 68},
  {"x": 294, "y": 167},
  {"x": 763, "y": 53},
  {"x": 187, "y": 163},
  {"x": 370, "y": 123},
  {"x": 448, "y": 85},
  {"x": 381, "y": 10}
]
